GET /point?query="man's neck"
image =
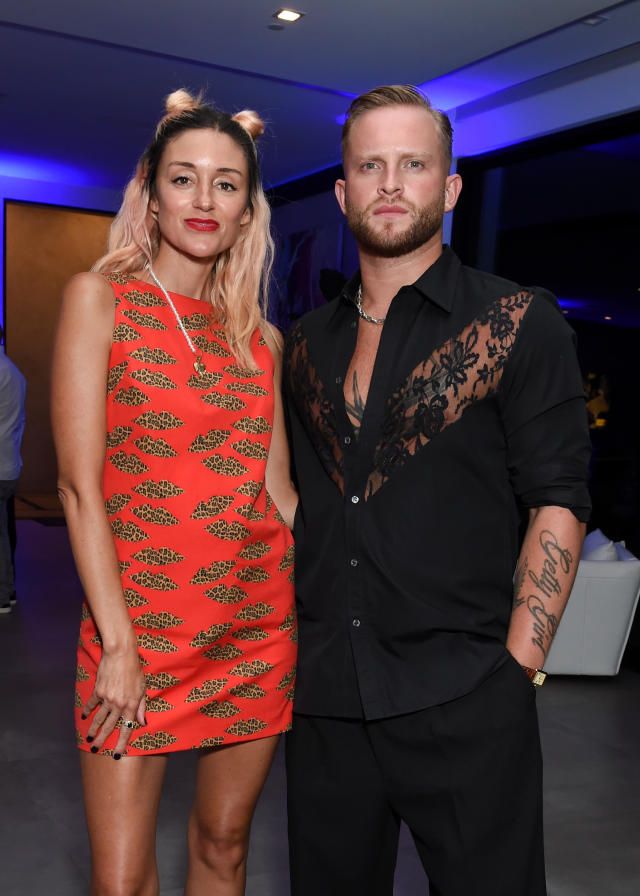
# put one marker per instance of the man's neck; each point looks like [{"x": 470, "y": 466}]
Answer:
[{"x": 382, "y": 278}]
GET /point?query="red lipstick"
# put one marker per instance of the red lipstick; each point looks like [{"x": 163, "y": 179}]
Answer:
[{"x": 202, "y": 225}]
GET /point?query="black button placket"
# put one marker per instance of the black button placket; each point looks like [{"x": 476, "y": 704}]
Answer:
[
  {"x": 355, "y": 475},
  {"x": 357, "y": 616},
  {"x": 361, "y": 451}
]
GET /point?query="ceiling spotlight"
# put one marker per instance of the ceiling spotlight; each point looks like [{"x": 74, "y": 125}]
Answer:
[
  {"x": 607, "y": 317},
  {"x": 594, "y": 20},
  {"x": 288, "y": 15}
]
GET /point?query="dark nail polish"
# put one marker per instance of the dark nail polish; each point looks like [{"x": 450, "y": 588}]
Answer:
[
  {"x": 90, "y": 738},
  {"x": 117, "y": 755},
  {"x": 94, "y": 749},
  {"x": 83, "y": 715}
]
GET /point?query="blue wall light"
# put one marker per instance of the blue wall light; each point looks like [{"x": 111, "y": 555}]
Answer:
[
  {"x": 33, "y": 168},
  {"x": 460, "y": 87}
]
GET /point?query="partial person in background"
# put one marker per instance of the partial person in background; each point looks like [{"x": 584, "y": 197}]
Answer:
[
  {"x": 436, "y": 412},
  {"x": 13, "y": 389},
  {"x": 174, "y": 478}
]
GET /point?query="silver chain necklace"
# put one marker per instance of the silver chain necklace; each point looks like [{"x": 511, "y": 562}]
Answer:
[
  {"x": 198, "y": 364},
  {"x": 363, "y": 313}
]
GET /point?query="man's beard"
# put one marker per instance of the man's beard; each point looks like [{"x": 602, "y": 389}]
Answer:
[{"x": 424, "y": 225}]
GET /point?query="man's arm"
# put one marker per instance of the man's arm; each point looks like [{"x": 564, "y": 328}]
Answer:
[{"x": 544, "y": 577}]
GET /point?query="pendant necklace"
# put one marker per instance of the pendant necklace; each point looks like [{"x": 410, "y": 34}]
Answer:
[
  {"x": 198, "y": 364},
  {"x": 363, "y": 313}
]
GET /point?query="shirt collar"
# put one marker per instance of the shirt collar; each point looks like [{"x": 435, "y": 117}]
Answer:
[{"x": 438, "y": 283}]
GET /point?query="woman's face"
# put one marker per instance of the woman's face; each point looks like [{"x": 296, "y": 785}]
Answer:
[{"x": 201, "y": 193}]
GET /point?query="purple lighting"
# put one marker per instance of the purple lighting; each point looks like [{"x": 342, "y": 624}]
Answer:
[
  {"x": 33, "y": 168},
  {"x": 573, "y": 304},
  {"x": 460, "y": 87}
]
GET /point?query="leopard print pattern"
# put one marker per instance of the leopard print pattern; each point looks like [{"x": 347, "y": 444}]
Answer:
[{"x": 199, "y": 543}]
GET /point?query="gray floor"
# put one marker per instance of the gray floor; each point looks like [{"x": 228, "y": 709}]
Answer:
[{"x": 591, "y": 734}]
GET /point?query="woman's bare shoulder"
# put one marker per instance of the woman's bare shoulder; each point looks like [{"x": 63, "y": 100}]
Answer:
[{"x": 91, "y": 290}]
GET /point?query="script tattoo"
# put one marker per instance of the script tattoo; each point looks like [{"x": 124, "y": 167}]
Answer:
[
  {"x": 355, "y": 409},
  {"x": 547, "y": 584}
]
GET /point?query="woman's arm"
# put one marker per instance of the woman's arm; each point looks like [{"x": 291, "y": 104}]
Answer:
[
  {"x": 78, "y": 407},
  {"x": 278, "y": 471}
]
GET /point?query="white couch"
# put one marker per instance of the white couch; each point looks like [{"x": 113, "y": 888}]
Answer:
[{"x": 595, "y": 626}]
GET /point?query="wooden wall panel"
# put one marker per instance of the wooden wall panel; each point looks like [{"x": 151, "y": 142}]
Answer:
[{"x": 44, "y": 246}]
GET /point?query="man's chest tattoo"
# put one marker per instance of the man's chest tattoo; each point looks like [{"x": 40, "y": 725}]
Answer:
[{"x": 355, "y": 407}]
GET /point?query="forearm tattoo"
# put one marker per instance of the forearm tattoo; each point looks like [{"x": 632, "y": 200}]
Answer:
[
  {"x": 355, "y": 409},
  {"x": 534, "y": 589}
]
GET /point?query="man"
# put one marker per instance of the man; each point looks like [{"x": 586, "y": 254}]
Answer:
[
  {"x": 432, "y": 409},
  {"x": 12, "y": 419}
]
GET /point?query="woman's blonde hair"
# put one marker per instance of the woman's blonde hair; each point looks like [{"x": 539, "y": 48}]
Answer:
[{"x": 240, "y": 275}]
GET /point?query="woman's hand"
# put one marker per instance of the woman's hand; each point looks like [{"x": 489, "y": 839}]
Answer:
[
  {"x": 119, "y": 693},
  {"x": 288, "y": 506}
]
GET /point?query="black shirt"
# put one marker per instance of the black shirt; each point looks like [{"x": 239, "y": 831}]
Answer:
[{"x": 407, "y": 536}]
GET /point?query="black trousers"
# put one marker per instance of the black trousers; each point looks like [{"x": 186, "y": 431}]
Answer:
[{"x": 465, "y": 776}]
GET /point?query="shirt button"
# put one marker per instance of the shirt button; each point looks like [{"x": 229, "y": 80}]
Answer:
[
  {"x": 354, "y": 499},
  {"x": 356, "y": 623},
  {"x": 353, "y": 561},
  {"x": 347, "y": 440},
  {"x": 338, "y": 380}
]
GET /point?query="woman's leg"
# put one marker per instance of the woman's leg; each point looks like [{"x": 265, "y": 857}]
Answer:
[
  {"x": 228, "y": 785},
  {"x": 121, "y": 803}
]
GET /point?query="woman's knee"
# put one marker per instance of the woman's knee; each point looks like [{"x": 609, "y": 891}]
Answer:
[
  {"x": 126, "y": 883},
  {"x": 222, "y": 847}
]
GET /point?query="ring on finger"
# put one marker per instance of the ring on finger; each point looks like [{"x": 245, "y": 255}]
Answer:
[{"x": 128, "y": 723}]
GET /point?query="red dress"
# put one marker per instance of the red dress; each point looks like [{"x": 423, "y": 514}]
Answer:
[{"x": 205, "y": 558}]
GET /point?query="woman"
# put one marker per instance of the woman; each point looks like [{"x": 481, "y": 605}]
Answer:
[{"x": 173, "y": 474}]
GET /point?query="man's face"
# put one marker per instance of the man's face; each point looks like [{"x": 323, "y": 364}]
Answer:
[{"x": 395, "y": 181}]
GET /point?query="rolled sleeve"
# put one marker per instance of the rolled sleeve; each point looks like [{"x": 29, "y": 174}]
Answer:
[{"x": 544, "y": 413}]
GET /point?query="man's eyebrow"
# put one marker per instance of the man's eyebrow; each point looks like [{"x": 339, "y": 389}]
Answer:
[{"x": 378, "y": 156}]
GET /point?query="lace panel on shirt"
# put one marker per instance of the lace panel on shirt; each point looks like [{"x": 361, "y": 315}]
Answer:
[
  {"x": 312, "y": 404},
  {"x": 466, "y": 369}
]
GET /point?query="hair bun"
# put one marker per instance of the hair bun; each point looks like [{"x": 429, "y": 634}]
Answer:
[
  {"x": 251, "y": 122},
  {"x": 180, "y": 101},
  {"x": 176, "y": 103}
]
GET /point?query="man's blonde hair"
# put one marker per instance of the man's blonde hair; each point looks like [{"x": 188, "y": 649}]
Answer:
[{"x": 398, "y": 95}]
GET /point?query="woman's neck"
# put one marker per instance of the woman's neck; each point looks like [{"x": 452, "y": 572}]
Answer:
[{"x": 185, "y": 276}]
